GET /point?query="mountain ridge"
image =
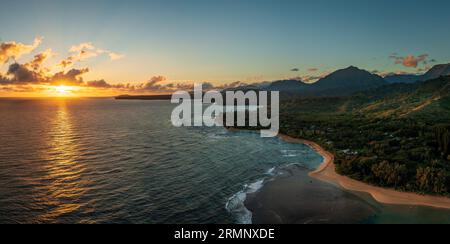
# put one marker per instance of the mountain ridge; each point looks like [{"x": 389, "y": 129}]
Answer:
[
  {"x": 342, "y": 82},
  {"x": 433, "y": 73}
]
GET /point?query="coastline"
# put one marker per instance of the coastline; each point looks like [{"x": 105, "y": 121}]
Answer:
[{"x": 327, "y": 173}]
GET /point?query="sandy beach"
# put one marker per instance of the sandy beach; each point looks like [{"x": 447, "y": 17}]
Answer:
[{"x": 326, "y": 172}]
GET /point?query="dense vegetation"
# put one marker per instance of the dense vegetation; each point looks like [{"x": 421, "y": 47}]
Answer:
[
  {"x": 395, "y": 136},
  {"x": 400, "y": 153}
]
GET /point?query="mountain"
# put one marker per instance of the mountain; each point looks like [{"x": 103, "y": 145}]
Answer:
[
  {"x": 243, "y": 88},
  {"x": 287, "y": 85},
  {"x": 402, "y": 78},
  {"x": 421, "y": 99},
  {"x": 346, "y": 82},
  {"x": 339, "y": 83},
  {"x": 435, "y": 72},
  {"x": 424, "y": 101}
]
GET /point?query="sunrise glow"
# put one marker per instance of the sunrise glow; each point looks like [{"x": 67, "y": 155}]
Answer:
[
  {"x": 104, "y": 55},
  {"x": 63, "y": 90}
]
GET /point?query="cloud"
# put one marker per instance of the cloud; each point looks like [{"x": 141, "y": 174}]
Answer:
[
  {"x": 84, "y": 51},
  {"x": 78, "y": 55},
  {"x": 98, "y": 84},
  {"x": 311, "y": 78},
  {"x": 410, "y": 61},
  {"x": 4, "y": 80},
  {"x": 14, "y": 50},
  {"x": 189, "y": 86},
  {"x": 21, "y": 88},
  {"x": 21, "y": 74},
  {"x": 208, "y": 86},
  {"x": 82, "y": 46},
  {"x": 236, "y": 84},
  {"x": 231, "y": 85},
  {"x": 159, "y": 84},
  {"x": 295, "y": 70},
  {"x": 155, "y": 83},
  {"x": 31, "y": 74},
  {"x": 424, "y": 69},
  {"x": 39, "y": 59},
  {"x": 115, "y": 56},
  {"x": 72, "y": 77},
  {"x": 21, "y": 77},
  {"x": 392, "y": 73}
]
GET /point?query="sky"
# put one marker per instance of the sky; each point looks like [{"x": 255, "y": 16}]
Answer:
[{"x": 148, "y": 44}]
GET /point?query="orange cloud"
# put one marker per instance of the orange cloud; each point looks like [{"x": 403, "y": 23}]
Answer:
[
  {"x": 14, "y": 50},
  {"x": 33, "y": 75},
  {"x": 72, "y": 77},
  {"x": 155, "y": 83},
  {"x": 84, "y": 51},
  {"x": 39, "y": 59},
  {"x": 410, "y": 61}
]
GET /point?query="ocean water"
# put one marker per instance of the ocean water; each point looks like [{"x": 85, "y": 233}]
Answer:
[{"x": 108, "y": 161}]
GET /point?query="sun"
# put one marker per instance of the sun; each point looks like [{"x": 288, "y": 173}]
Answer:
[{"x": 63, "y": 90}]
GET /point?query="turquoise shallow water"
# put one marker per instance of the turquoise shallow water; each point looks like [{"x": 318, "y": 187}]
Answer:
[{"x": 107, "y": 161}]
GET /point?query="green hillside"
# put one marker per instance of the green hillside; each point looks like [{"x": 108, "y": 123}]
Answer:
[{"x": 393, "y": 136}]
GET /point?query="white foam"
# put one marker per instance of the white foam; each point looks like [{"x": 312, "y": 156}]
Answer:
[
  {"x": 255, "y": 186},
  {"x": 271, "y": 171},
  {"x": 236, "y": 203},
  {"x": 236, "y": 207}
]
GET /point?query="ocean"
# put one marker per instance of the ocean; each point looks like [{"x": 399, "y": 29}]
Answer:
[{"x": 118, "y": 161}]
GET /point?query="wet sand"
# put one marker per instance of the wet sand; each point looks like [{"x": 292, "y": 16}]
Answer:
[
  {"x": 326, "y": 172},
  {"x": 295, "y": 198}
]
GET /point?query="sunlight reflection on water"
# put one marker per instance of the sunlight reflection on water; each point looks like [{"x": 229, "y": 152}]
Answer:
[{"x": 107, "y": 161}]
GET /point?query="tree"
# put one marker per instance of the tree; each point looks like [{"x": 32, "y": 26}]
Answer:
[
  {"x": 390, "y": 174},
  {"x": 430, "y": 179},
  {"x": 442, "y": 135}
]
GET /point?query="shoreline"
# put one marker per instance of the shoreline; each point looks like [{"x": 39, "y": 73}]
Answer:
[{"x": 327, "y": 173}]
